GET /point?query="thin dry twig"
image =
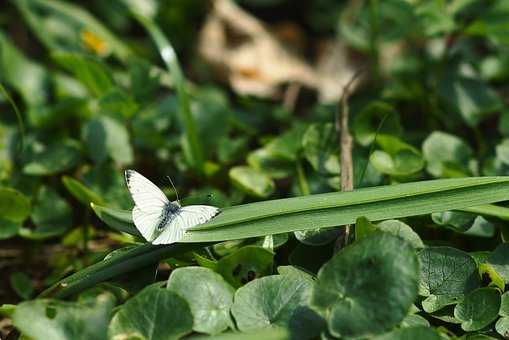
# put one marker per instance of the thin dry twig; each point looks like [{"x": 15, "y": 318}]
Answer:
[{"x": 345, "y": 145}]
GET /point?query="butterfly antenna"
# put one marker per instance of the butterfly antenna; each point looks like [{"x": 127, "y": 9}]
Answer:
[{"x": 174, "y": 189}]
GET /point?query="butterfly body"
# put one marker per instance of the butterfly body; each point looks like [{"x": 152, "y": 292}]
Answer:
[{"x": 159, "y": 220}]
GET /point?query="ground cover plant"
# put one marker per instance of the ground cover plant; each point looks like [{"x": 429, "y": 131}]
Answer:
[{"x": 358, "y": 152}]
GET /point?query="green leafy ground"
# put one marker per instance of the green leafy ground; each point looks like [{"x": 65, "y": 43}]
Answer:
[{"x": 92, "y": 89}]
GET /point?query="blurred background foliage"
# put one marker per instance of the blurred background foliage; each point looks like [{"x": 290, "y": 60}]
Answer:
[{"x": 251, "y": 118}]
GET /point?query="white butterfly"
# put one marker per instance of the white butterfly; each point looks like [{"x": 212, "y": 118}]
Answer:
[{"x": 159, "y": 220}]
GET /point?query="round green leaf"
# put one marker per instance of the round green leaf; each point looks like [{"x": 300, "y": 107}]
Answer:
[
  {"x": 277, "y": 300},
  {"x": 22, "y": 285},
  {"x": 14, "y": 206},
  {"x": 252, "y": 181},
  {"x": 153, "y": 314},
  {"x": 61, "y": 320},
  {"x": 368, "y": 287},
  {"x": 245, "y": 264},
  {"x": 504, "y": 305},
  {"x": 51, "y": 215},
  {"x": 447, "y": 271},
  {"x": 400, "y": 229},
  {"x": 411, "y": 333},
  {"x": 478, "y": 309},
  {"x": 434, "y": 303},
  {"x": 414, "y": 320},
  {"x": 209, "y": 296},
  {"x": 106, "y": 137},
  {"x": 499, "y": 260},
  {"x": 321, "y": 145},
  {"x": 53, "y": 159},
  {"x": 502, "y": 326},
  {"x": 403, "y": 163},
  {"x": 317, "y": 237},
  {"x": 397, "y": 158},
  {"x": 446, "y": 155}
]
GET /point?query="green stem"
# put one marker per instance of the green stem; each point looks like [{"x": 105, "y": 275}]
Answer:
[
  {"x": 303, "y": 182},
  {"x": 179, "y": 82}
]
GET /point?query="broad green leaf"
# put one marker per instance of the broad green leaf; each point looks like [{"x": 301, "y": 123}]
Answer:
[
  {"x": 473, "y": 98},
  {"x": 464, "y": 222},
  {"x": 502, "y": 326},
  {"x": 22, "y": 285},
  {"x": 446, "y": 155},
  {"x": 414, "y": 333},
  {"x": 14, "y": 206},
  {"x": 89, "y": 71},
  {"x": 377, "y": 116},
  {"x": 368, "y": 287},
  {"x": 57, "y": 25},
  {"x": 335, "y": 209},
  {"x": 153, "y": 314},
  {"x": 61, "y": 320},
  {"x": 433, "y": 303},
  {"x": 317, "y": 237},
  {"x": 54, "y": 158},
  {"x": 414, "y": 320},
  {"x": 446, "y": 314},
  {"x": 51, "y": 215},
  {"x": 447, "y": 271},
  {"x": 246, "y": 264},
  {"x": 277, "y": 301},
  {"x": 499, "y": 260},
  {"x": 209, "y": 296},
  {"x": 271, "y": 164},
  {"x": 502, "y": 150},
  {"x": 400, "y": 229},
  {"x": 397, "y": 158},
  {"x": 320, "y": 145},
  {"x": 81, "y": 192},
  {"x": 117, "y": 102},
  {"x": 478, "y": 309},
  {"x": 252, "y": 181},
  {"x": 291, "y": 270},
  {"x": 106, "y": 138},
  {"x": 28, "y": 78},
  {"x": 504, "y": 305}
]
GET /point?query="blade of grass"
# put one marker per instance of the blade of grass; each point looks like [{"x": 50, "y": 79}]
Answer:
[
  {"x": 170, "y": 59},
  {"x": 19, "y": 118},
  {"x": 337, "y": 208},
  {"x": 130, "y": 260}
]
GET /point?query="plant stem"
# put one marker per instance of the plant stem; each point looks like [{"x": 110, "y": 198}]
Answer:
[
  {"x": 345, "y": 145},
  {"x": 303, "y": 182}
]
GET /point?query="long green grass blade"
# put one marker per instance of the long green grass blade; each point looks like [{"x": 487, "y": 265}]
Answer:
[
  {"x": 337, "y": 208},
  {"x": 132, "y": 259},
  {"x": 170, "y": 59}
]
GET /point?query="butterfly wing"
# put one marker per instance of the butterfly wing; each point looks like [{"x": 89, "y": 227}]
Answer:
[
  {"x": 146, "y": 195},
  {"x": 183, "y": 219},
  {"x": 150, "y": 204}
]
